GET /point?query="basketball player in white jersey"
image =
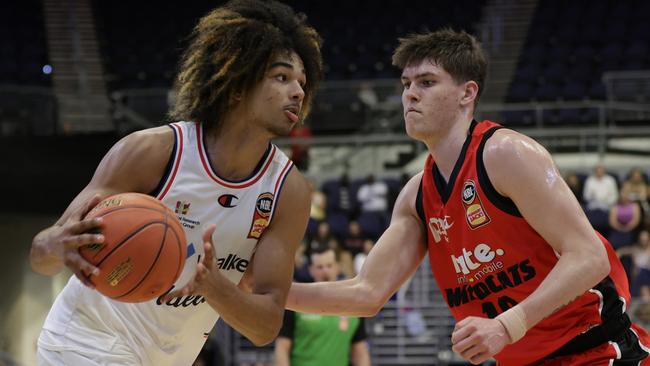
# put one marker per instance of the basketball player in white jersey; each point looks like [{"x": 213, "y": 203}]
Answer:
[{"x": 248, "y": 75}]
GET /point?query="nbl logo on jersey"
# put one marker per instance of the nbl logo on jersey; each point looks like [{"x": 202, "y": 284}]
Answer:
[
  {"x": 261, "y": 215},
  {"x": 474, "y": 210}
]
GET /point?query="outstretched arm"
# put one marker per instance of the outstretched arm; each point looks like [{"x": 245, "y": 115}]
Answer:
[{"x": 394, "y": 258}]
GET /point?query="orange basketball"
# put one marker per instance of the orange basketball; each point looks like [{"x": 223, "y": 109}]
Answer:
[{"x": 144, "y": 248}]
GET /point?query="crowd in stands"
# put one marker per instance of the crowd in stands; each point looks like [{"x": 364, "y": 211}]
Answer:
[
  {"x": 348, "y": 216},
  {"x": 619, "y": 210}
]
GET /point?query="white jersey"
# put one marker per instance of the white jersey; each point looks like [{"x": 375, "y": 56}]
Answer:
[{"x": 174, "y": 332}]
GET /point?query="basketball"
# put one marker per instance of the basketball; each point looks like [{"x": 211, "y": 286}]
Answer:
[{"x": 144, "y": 248}]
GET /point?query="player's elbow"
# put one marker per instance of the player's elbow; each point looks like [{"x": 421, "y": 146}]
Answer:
[
  {"x": 601, "y": 263},
  {"x": 598, "y": 262},
  {"x": 371, "y": 301},
  {"x": 263, "y": 340},
  {"x": 268, "y": 333}
]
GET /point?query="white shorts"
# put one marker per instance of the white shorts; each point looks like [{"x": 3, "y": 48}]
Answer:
[{"x": 54, "y": 350}]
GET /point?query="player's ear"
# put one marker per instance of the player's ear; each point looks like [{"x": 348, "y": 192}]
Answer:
[{"x": 470, "y": 92}]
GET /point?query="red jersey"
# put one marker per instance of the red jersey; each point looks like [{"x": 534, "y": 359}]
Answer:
[{"x": 486, "y": 257}]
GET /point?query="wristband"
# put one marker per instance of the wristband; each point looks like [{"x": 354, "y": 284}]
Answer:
[{"x": 514, "y": 320}]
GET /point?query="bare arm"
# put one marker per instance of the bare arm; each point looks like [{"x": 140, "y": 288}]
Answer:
[
  {"x": 521, "y": 169},
  {"x": 258, "y": 315},
  {"x": 393, "y": 259},
  {"x": 359, "y": 354},
  {"x": 130, "y": 166},
  {"x": 282, "y": 351}
]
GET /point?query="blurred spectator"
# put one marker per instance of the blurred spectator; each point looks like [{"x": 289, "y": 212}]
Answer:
[
  {"x": 353, "y": 241},
  {"x": 640, "y": 255},
  {"x": 345, "y": 199},
  {"x": 318, "y": 204},
  {"x": 300, "y": 152},
  {"x": 339, "y": 193},
  {"x": 323, "y": 240},
  {"x": 636, "y": 186},
  {"x": 301, "y": 266},
  {"x": 600, "y": 190},
  {"x": 314, "y": 339},
  {"x": 318, "y": 209},
  {"x": 600, "y": 194},
  {"x": 574, "y": 183},
  {"x": 359, "y": 258},
  {"x": 624, "y": 219},
  {"x": 373, "y": 195}
]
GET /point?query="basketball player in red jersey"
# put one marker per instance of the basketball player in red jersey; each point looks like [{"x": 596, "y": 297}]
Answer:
[
  {"x": 526, "y": 277},
  {"x": 249, "y": 75}
]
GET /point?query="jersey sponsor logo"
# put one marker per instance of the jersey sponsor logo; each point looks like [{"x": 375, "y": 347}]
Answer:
[
  {"x": 227, "y": 200},
  {"x": 182, "y": 207},
  {"x": 181, "y": 301},
  {"x": 439, "y": 227},
  {"x": 470, "y": 261},
  {"x": 232, "y": 262},
  {"x": 261, "y": 216},
  {"x": 474, "y": 210},
  {"x": 493, "y": 283}
]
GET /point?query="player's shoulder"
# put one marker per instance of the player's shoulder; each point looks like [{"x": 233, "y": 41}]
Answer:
[
  {"x": 150, "y": 137},
  {"x": 506, "y": 146},
  {"x": 298, "y": 185},
  {"x": 137, "y": 161},
  {"x": 153, "y": 143},
  {"x": 513, "y": 161},
  {"x": 406, "y": 201}
]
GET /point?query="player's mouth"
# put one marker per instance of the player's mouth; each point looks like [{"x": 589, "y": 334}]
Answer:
[{"x": 292, "y": 111}]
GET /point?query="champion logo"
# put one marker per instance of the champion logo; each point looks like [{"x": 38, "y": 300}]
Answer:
[
  {"x": 232, "y": 262},
  {"x": 228, "y": 200}
]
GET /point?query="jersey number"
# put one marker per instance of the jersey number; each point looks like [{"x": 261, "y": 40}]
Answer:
[{"x": 504, "y": 302}]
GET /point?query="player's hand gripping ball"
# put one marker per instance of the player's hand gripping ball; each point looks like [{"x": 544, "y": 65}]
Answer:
[{"x": 144, "y": 248}]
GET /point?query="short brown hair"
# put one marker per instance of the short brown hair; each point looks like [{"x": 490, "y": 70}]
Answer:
[
  {"x": 230, "y": 50},
  {"x": 459, "y": 53}
]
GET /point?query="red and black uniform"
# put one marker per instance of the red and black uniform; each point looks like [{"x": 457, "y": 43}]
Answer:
[{"x": 486, "y": 258}]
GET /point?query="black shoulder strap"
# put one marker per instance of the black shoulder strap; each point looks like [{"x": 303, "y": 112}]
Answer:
[
  {"x": 505, "y": 204},
  {"x": 419, "y": 207}
]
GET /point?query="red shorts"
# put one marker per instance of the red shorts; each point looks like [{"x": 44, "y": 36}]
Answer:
[{"x": 633, "y": 350}]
